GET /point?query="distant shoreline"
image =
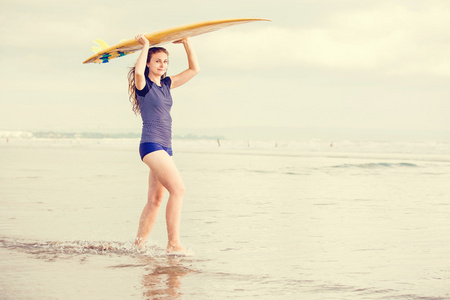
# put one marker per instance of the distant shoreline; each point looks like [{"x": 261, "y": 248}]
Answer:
[
  {"x": 93, "y": 135},
  {"x": 252, "y": 133}
]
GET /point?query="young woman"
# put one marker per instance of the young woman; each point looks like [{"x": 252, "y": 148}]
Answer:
[{"x": 149, "y": 90}]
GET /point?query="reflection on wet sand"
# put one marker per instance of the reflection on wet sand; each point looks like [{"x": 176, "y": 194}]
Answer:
[
  {"x": 162, "y": 274},
  {"x": 164, "y": 279}
]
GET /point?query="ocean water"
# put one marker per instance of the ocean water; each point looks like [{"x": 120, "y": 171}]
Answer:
[{"x": 266, "y": 220}]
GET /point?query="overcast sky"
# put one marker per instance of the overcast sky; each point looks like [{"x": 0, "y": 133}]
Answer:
[{"x": 381, "y": 64}]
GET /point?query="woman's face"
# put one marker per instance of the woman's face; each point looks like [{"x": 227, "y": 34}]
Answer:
[{"x": 158, "y": 63}]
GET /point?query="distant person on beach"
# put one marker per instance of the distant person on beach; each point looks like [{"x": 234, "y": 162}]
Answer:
[{"x": 149, "y": 90}]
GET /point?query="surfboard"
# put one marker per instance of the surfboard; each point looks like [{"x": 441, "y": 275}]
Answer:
[{"x": 104, "y": 53}]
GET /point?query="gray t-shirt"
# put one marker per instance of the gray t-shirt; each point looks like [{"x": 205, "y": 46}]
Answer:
[{"x": 155, "y": 103}]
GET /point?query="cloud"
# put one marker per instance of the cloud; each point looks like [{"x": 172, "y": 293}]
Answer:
[
  {"x": 60, "y": 25},
  {"x": 390, "y": 38},
  {"x": 332, "y": 62},
  {"x": 386, "y": 37}
]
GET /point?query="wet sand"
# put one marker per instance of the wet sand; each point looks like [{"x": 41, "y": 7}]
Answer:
[{"x": 263, "y": 224}]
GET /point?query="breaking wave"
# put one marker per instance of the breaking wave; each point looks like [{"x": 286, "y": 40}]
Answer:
[
  {"x": 376, "y": 165},
  {"x": 73, "y": 248}
]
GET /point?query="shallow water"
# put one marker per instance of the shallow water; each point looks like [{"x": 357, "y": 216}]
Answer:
[{"x": 270, "y": 223}]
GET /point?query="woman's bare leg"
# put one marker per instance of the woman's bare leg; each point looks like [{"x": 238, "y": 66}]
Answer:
[
  {"x": 150, "y": 211},
  {"x": 164, "y": 169}
]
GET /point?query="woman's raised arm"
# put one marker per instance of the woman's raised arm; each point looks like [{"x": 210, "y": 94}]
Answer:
[
  {"x": 193, "y": 69},
  {"x": 139, "y": 71}
]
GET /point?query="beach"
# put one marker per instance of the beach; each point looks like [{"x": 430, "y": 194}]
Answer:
[{"x": 266, "y": 220}]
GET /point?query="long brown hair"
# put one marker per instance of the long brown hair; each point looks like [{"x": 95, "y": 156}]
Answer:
[{"x": 131, "y": 78}]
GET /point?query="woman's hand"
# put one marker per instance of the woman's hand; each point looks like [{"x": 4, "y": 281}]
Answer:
[
  {"x": 183, "y": 41},
  {"x": 142, "y": 40}
]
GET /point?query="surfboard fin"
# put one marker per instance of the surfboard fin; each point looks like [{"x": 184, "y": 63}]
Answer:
[
  {"x": 103, "y": 45},
  {"x": 95, "y": 49}
]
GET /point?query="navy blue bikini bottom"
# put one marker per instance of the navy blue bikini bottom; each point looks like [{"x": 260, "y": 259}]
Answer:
[{"x": 146, "y": 148}]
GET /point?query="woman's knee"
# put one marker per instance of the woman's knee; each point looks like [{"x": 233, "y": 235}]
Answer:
[
  {"x": 178, "y": 189},
  {"x": 156, "y": 199}
]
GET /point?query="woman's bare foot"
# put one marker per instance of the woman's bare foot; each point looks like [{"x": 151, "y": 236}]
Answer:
[
  {"x": 177, "y": 250},
  {"x": 139, "y": 244}
]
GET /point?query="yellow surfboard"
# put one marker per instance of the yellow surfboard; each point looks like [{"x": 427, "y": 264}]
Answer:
[{"x": 104, "y": 53}]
